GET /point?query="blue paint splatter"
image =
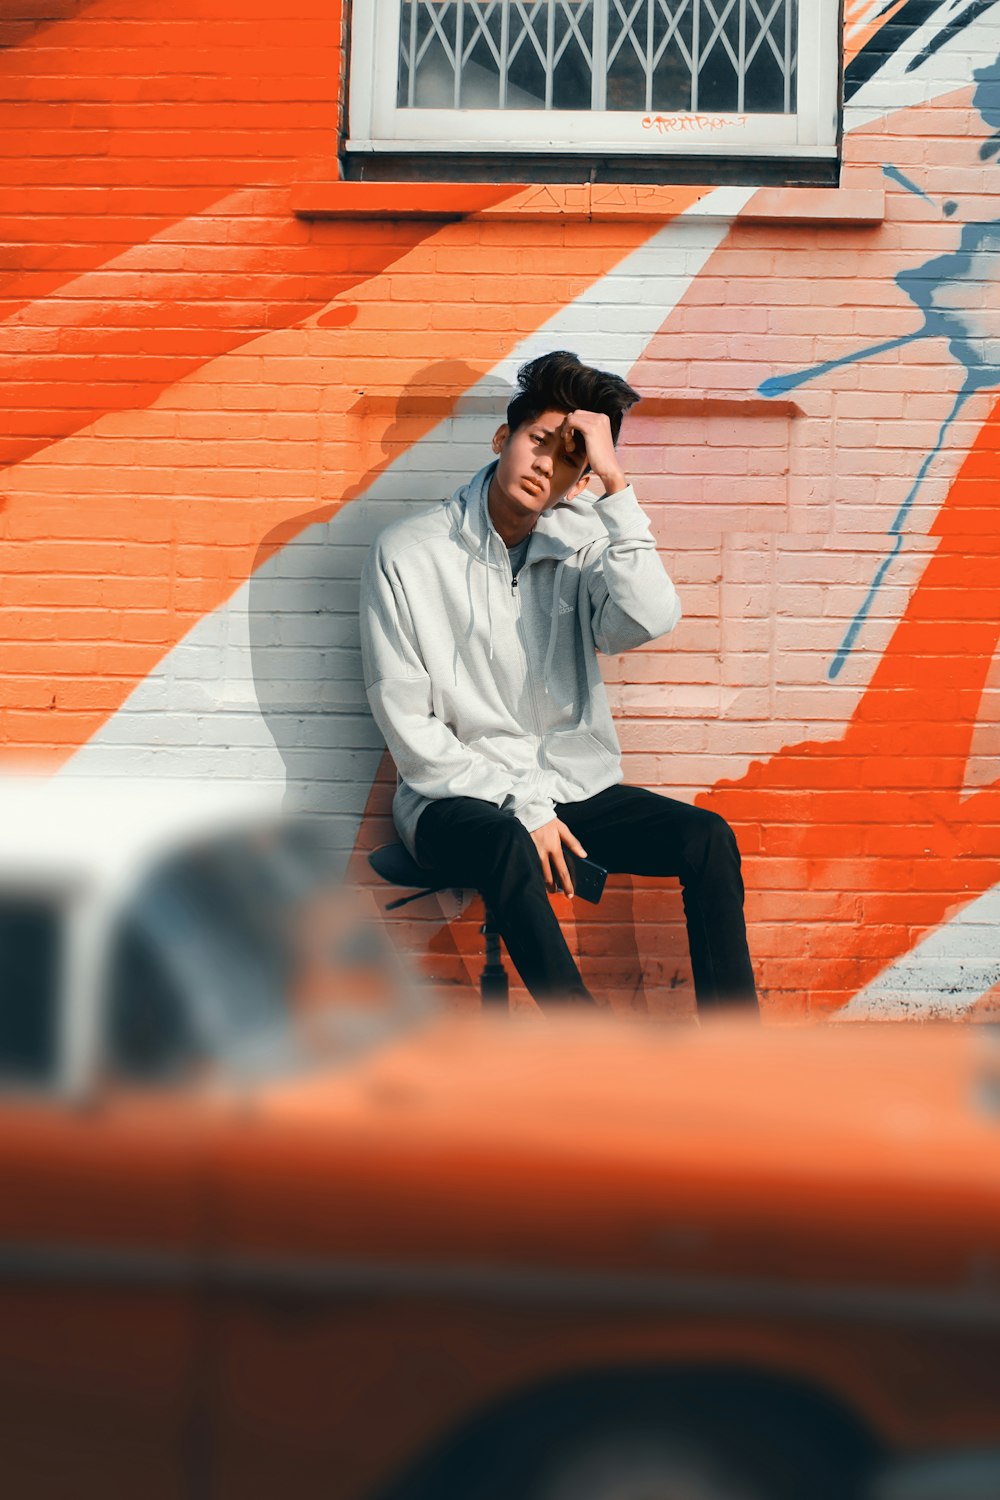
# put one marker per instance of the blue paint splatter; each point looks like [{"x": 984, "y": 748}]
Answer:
[
  {"x": 957, "y": 294},
  {"x": 777, "y": 385},
  {"x": 895, "y": 175},
  {"x": 896, "y": 532},
  {"x": 949, "y": 208}
]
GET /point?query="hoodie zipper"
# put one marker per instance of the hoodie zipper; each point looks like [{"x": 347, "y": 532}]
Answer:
[{"x": 522, "y": 637}]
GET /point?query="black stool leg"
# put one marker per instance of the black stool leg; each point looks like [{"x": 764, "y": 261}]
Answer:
[{"x": 493, "y": 979}]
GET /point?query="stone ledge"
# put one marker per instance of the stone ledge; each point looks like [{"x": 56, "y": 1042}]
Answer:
[{"x": 580, "y": 202}]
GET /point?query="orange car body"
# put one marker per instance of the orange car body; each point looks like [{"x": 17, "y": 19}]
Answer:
[{"x": 311, "y": 1284}]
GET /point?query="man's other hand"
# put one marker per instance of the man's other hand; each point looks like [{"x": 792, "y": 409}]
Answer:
[
  {"x": 591, "y": 431},
  {"x": 549, "y": 840}
]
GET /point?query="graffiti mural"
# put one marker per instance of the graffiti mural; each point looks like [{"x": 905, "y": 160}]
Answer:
[{"x": 215, "y": 402}]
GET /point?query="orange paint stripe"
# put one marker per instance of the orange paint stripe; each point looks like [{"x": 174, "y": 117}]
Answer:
[
  {"x": 880, "y": 812},
  {"x": 857, "y": 41},
  {"x": 987, "y": 1008},
  {"x": 168, "y": 113},
  {"x": 127, "y": 333}
]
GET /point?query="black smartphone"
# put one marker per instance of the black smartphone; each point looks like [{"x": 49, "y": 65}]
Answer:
[{"x": 588, "y": 877}]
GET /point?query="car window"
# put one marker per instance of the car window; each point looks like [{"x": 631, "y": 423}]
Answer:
[
  {"x": 31, "y": 935},
  {"x": 201, "y": 955},
  {"x": 246, "y": 951},
  {"x": 149, "y": 1035}
]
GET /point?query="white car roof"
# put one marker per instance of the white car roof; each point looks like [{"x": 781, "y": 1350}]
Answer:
[{"x": 69, "y": 830}]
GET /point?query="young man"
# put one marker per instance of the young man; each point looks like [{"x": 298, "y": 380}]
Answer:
[{"x": 481, "y": 622}]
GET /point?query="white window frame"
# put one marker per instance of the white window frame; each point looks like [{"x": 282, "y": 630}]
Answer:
[{"x": 377, "y": 124}]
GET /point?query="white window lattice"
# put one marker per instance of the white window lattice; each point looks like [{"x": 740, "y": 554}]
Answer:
[{"x": 672, "y": 55}]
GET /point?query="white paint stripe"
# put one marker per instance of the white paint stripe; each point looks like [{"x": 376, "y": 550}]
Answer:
[
  {"x": 195, "y": 716},
  {"x": 982, "y": 767},
  {"x": 944, "y": 975},
  {"x": 665, "y": 266}
]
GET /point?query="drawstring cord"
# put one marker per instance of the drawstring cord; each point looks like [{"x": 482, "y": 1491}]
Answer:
[
  {"x": 489, "y": 568},
  {"x": 554, "y": 627}
]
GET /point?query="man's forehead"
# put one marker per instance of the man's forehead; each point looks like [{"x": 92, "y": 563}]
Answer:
[{"x": 551, "y": 421}]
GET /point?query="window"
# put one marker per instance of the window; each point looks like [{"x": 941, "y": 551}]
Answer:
[
  {"x": 31, "y": 931},
  {"x": 198, "y": 961},
  {"x": 629, "y": 77}
]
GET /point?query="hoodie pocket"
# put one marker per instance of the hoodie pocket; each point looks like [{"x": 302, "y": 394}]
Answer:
[
  {"x": 578, "y": 756},
  {"x": 514, "y": 752}
]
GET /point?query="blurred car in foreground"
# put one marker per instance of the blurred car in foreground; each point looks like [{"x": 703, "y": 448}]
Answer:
[{"x": 271, "y": 1224}]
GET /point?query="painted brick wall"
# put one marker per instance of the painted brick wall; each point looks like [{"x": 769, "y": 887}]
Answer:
[{"x": 213, "y": 404}]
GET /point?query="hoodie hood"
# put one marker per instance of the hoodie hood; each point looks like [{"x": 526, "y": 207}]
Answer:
[{"x": 559, "y": 533}]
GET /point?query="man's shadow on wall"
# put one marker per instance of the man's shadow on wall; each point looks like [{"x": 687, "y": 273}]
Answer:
[{"x": 304, "y": 591}]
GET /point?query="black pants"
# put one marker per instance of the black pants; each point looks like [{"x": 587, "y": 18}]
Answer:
[{"x": 626, "y": 829}]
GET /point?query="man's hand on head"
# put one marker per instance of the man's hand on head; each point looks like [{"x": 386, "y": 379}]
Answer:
[
  {"x": 588, "y": 434},
  {"x": 549, "y": 840}
]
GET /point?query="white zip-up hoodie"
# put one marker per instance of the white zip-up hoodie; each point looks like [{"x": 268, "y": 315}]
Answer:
[{"x": 488, "y": 686}]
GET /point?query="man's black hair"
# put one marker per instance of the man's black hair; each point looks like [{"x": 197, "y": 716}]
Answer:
[{"x": 560, "y": 382}]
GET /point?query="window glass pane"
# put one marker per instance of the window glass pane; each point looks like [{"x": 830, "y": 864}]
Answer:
[
  {"x": 427, "y": 43},
  {"x": 627, "y": 23},
  {"x": 718, "y": 61},
  {"x": 770, "y": 72},
  {"x": 481, "y": 56},
  {"x": 671, "y": 56},
  {"x": 572, "y": 55},
  {"x": 527, "y": 54},
  {"x": 30, "y": 939}
]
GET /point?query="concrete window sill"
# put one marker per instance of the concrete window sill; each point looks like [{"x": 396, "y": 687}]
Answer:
[{"x": 574, "y": 202}]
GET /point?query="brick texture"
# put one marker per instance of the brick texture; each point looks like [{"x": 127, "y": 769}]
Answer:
[{"x": 213, "y": 402}]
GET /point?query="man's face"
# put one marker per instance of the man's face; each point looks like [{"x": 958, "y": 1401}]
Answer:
[{"x": 536, "y": 469}]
